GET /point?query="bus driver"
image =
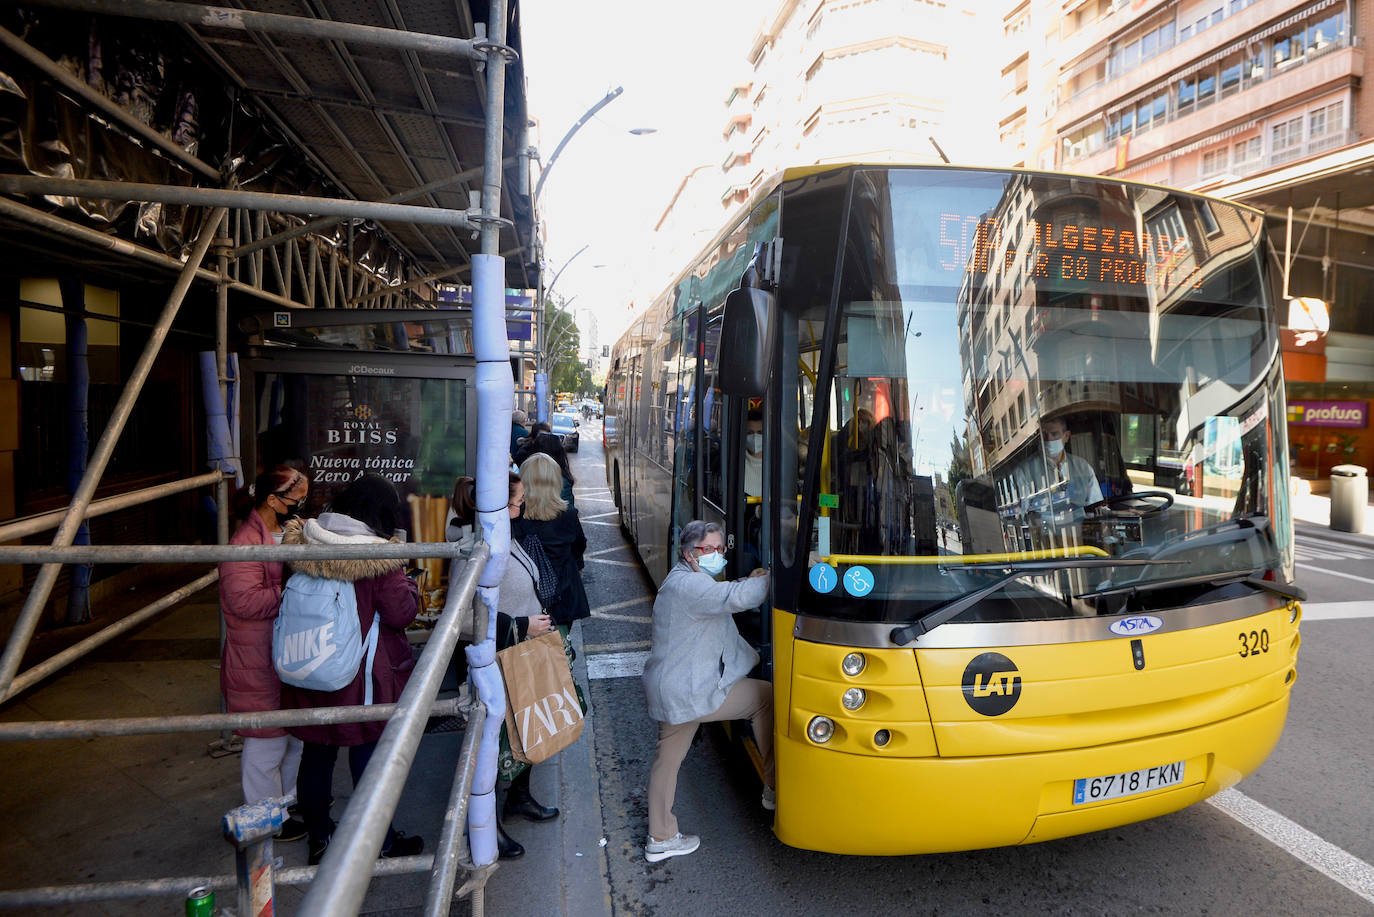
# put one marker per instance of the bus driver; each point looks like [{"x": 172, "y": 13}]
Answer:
[{"x": 1060, "y": 468}]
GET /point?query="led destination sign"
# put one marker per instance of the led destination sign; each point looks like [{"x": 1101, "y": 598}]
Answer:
[{"x": 1068, "y": 251}]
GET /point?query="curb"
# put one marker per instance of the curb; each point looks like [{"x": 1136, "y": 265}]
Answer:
[{"x": 584, "y": 869}]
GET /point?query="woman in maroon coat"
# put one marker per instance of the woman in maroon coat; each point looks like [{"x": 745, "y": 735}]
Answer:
[
  {"x": 364, "y": 513},
  {"x": 250, "y": 595}
]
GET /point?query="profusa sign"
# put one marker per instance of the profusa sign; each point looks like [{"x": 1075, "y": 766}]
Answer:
[{"x": 1328, "y": 414}]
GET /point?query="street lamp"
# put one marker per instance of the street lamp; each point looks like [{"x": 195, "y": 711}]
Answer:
[{"x": 548, "y": 167}]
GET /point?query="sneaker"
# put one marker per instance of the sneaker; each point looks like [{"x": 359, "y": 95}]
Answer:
[
  {"x": 293, "y": 829},
  {"x": 678, "y": 845},
  {"x": 770, "y": 799},
  {"x": 404, "y": 846},
  {"x": 316, "y": 853}
]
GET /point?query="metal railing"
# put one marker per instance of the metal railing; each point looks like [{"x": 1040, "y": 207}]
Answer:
[
  {"x": 352, "y": 856},
  {"x": 250, "y": 246}
]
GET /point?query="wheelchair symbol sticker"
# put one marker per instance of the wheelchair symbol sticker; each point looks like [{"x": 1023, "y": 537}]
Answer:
[
  {"x": 858, "y": 581},
  {"x": 823, "y": 578}
]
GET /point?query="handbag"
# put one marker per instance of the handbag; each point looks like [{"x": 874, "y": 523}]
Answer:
[
  {"x": 547, "y": 587},
  {"x": 543, "y": 715}
]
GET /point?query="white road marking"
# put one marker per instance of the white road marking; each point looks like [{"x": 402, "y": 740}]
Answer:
[
  {"x": 1323, "y": 856},
  {"x": 1337, "y": 611},
  {"x": 612, "y": 563},
  {"x": 594, "y": 522},
  {"x": 595, "y": 649},
  {"x": 616, "y": 665},
  {"x": 619, "y": 547},
  {"x": 643, "y": 600},
  {"x": 597, "y": 515},
  {"x": 1360, "y": 579},
  {"x": 633, "y": 619},
  {"x": 1311, "y": 552}
]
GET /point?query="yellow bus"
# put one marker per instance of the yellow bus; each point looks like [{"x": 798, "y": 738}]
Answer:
[{"x": 1023, "y": 491}]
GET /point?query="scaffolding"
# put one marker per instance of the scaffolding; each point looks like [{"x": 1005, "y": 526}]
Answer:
[{"x": 250, "y": 244}]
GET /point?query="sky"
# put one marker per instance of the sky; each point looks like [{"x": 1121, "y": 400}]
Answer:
[{"x": 676, "y": 63}]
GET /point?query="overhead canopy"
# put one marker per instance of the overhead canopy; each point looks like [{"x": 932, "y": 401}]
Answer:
[
  {"x": 1341, "y": 181},
  {"x": 334, "y": 98},
  {"x": 379, "y": 121}
]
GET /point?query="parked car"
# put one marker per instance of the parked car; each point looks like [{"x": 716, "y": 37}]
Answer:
[{"x": 565, "y": 425}]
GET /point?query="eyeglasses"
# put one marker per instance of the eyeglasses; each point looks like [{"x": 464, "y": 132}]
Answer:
[
  {"x": 283, "y": 498},
  {"x": 704, "y": 549},
  {"x": 516, "y": 505}
]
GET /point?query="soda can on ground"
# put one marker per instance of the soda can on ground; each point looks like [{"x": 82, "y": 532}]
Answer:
[{"x": 200, "y": 903}]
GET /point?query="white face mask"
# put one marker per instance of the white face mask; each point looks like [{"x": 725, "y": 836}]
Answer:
[
  {"x": 712, "y": 563},
  {"x": 1055, "y": 447},
  {"x": 754, "y": 442}
]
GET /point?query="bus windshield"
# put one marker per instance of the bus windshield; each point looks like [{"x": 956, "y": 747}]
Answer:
[{"x": 1036, "y": 366}]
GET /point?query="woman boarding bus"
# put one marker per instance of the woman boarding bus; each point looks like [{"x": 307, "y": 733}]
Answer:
[{"x": 1024, "y": 494}]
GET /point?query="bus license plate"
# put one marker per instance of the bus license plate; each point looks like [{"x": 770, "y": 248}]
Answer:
[{"x": 1128, "y": 783}]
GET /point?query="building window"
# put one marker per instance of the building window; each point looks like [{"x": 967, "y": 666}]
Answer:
[
  {"x": 1213, "y": 163},
  {"x": 1247, "y": 152},
  {"x": 1325, "y": 127},
  {"x": 1285, "y": 141}
]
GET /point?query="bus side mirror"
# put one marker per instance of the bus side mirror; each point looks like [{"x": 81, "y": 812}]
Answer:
[{"x": 746, "y": 342}]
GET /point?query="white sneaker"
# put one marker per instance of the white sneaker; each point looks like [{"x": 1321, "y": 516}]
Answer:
[
  {"x": 770, "y": 799},
  {"x": 678, "y": 845}
]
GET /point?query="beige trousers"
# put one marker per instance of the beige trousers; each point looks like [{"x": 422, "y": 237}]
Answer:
[{"x": 750, "y": 699}]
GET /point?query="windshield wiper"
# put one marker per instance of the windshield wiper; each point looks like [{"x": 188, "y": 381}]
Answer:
[
  {"x": 934, "y": 617},
  {"x": 1248, "y": 577}
]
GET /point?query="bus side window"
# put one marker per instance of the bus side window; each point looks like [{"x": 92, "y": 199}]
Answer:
[{"x": 711, "y": 424}]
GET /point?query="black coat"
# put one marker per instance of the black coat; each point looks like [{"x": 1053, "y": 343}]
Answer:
[{"x": 564, "y": 542}]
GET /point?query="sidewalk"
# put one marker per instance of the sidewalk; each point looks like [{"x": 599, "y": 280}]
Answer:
[
  {"x": 1312, "y": 519},
  {"x": 91, "y": 810}
]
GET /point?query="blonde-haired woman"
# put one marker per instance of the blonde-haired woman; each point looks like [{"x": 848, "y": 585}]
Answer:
[{"x": 549, "y": 519}]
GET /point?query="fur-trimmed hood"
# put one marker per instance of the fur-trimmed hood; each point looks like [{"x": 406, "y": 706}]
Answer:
[{"x": 326, "y": 530}]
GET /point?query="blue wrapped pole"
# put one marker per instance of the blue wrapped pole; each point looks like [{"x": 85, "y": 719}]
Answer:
[
  {"x": 78, "y": 441},
  {"x": 495, "y": 397},
  {"x": 219, "y": 446}
]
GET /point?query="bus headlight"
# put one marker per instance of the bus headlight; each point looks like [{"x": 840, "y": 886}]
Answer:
[
  {"x": 820, "y": 729},
  {"x": 853, "y": 699},
  {"x": 853, "y": 664}
]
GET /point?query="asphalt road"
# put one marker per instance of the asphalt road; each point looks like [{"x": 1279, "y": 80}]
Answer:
[{"x": 1307, "y": 812}]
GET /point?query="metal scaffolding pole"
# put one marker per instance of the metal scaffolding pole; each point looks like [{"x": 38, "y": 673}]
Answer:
[
  {"x": 96, "y": 239},
  {"x": 107, "y": 109},
  {"x": 100, "y": 457},
  {"x": 33, "y": 676},
  {"x": 326, "y": 222},
  {"x": 52, "y": 895},
  {"x": 204, "y": 722},
  {"x": 217, "y": 553},
  {"x": 224, "y": 197},
  {"x": 221, "y": 17},
  {"x": 32, "y": 525}
]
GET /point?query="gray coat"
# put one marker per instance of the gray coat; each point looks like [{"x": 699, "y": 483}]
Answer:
[{"x": 698, "y": 654}]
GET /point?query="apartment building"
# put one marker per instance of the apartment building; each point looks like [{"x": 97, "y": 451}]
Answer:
[
  {"x": 846, "y": 80},
  {"x": 1255, "y": 100}
]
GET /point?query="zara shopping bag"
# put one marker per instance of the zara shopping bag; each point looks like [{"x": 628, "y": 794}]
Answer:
[{"x": 543, "y": 715}]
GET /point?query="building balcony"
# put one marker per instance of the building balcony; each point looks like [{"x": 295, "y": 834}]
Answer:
[
  {"x": 1231, "y": 29},
  {"x": 1332, "y": 69}
]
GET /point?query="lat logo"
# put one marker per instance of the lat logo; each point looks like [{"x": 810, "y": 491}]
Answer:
[{"x": 992, "y": 684}]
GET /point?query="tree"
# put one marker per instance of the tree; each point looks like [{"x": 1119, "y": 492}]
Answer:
[{"x": 562, "y": 341}]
